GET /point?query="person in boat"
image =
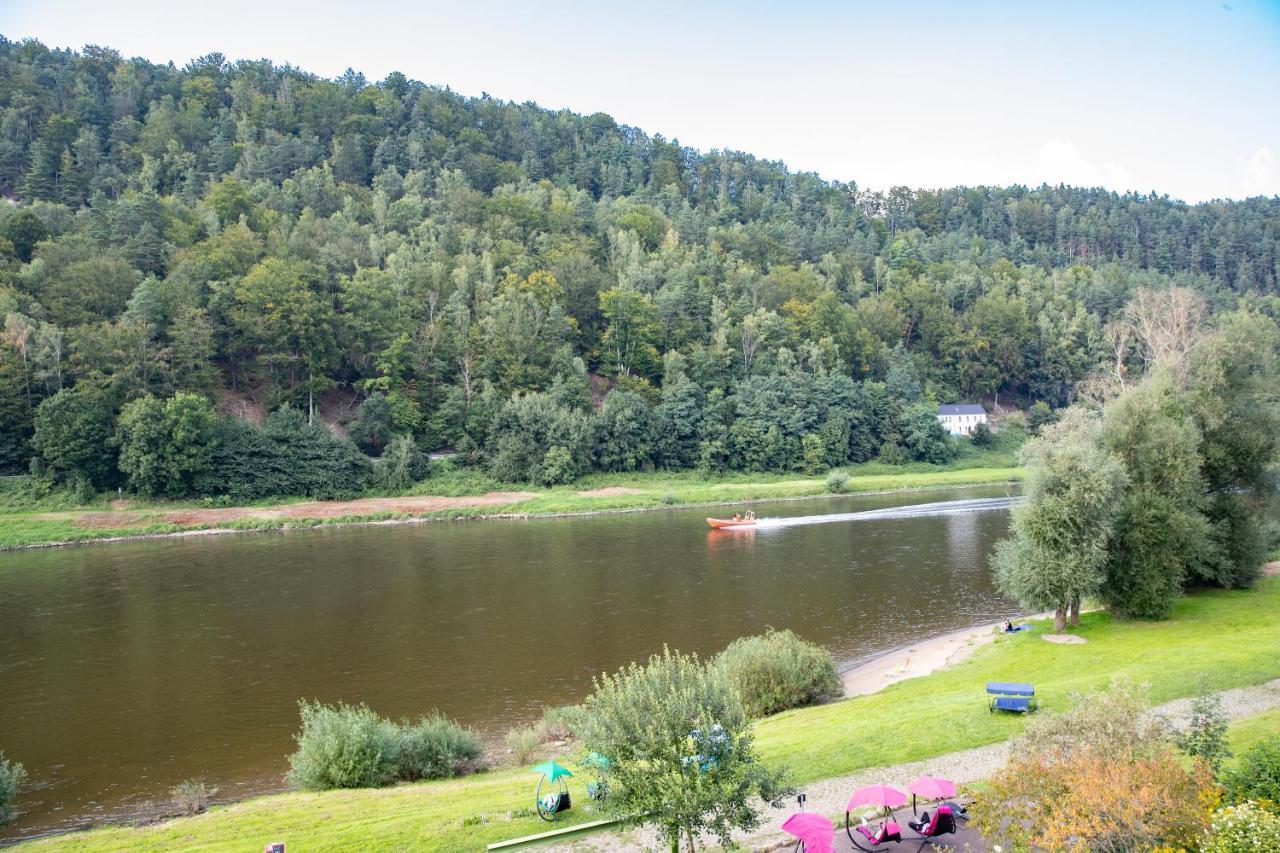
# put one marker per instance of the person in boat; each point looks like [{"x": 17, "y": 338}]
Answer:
[
  {"x": 751, "y": 516},
  {"x": 737, "y": 517}
]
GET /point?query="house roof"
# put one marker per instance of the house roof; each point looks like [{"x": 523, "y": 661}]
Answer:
[{"x": 962, "y": 409}]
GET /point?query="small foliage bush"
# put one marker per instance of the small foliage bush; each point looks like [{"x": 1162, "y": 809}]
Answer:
[
  {"x": 778, "y": 670},
  {"x": 837, "y": 482},
  {"x": 192, "y": 797},
  {"x": 12, "y": 775},
  {"x": 557, "y": 467},
  {"x": 523, "y": 743},
  {"x": 815, "y": 453},
  {"x": 1243, "y": 828},
  {"x": 560, "y": 723},
  {"x": 1257, "y": 775},
  {"x": 343, "y": 746},
  {"x": 402, "y": 465},
  {"x": 982, "y": 436},
  {"x": 1206, "y": 737},
  {"x": 435, "y": 747}
]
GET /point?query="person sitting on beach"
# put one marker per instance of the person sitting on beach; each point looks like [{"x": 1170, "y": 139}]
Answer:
[{"x": 1008, "y": 627}]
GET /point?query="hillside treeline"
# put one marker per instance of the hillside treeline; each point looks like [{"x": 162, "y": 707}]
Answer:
[{"x": 547, "y": 292}]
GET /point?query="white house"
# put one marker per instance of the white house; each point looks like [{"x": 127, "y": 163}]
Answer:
[{"x": 960, "y": 419}]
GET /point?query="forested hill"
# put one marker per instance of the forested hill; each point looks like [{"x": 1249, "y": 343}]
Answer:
[{"x": 255, "y": 236}]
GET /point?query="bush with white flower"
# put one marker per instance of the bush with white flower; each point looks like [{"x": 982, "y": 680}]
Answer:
[{"x": 1243, "y": 828}]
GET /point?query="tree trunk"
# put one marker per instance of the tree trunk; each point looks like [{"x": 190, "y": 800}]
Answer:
[
  {"x": 1075, "y": 613},
  {"x": 690, "y": 834},
  {"x": 1059, "y": 620}
]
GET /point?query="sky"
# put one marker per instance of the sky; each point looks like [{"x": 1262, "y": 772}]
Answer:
[{"x": 1180, "y": 97}]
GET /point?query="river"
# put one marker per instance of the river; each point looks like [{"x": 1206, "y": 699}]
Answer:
[{"x": 127, "y": 668}]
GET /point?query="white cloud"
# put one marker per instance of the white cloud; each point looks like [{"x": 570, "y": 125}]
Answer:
[
  {"x": 1060, "y": 162},
  {"x": 1259, "y": 175}
]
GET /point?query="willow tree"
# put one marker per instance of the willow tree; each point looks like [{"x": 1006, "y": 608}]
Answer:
[{"x": 1057, "y": 550}]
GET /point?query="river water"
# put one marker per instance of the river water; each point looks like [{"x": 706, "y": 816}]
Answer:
[{"x": 127, "y": 668}]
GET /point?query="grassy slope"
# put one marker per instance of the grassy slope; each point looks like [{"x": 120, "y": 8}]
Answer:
[
  {"x": 1232, "y": 638},
  {"x": 39, "y": 524},
  {"x": 1243, "y": 734}
]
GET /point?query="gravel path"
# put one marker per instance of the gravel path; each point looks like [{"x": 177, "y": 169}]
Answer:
[{"x": 829, "y": 796}]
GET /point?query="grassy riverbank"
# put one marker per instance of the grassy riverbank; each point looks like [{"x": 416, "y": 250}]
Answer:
[
  {"x": 1231, "y": 639},
  {"x": 454, "y": 493}
]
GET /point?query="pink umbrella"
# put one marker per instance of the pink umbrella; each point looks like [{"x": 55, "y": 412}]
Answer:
[
  {"x": 932, "y": 788},
  {"x": 885, "y": 796},
  {"x": 814, "y": 830}
]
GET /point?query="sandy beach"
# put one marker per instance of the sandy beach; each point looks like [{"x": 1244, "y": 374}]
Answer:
[{"x": 916, "y": 659}]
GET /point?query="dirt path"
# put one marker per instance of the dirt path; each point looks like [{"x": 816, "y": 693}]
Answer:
[
  {"x": 119, "y": 518},
  {"x": 829, "y": 796}
]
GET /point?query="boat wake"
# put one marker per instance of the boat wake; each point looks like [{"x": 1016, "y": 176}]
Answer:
[{"x": 914, "y": 511}]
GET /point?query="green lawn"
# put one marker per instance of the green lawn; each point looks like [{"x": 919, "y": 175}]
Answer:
[
  {"x": 1229, "y": 638},
  {"x": 1243, "y": 734}
]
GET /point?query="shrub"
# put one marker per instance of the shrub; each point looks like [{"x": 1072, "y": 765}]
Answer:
[
  {"x": 1242, "y": 828},
  {"x": 523, "y": 742},
  {"x": 815, "y": 453},
  {"x": 73, "y": 436},
  {"x": 12, "y": 775},
  {"x": 557, "y": 467},
  {"x": 778, "y": 670},
  {"x": 1039, "y": 416},
  {"x": 435, "y": 748},
  {"x": 192, "y": 797},
  {"x": 371, "y": 430},
  {"x": 837, "y": 482},
  {"x": 1257, "y": 775},
  {"x": 402, "y": 465},
  {"x": 680, "y": 749},
  {"x": 1102, "y": 776},
  {"x": 892, "y": 453},
  {"x": 1091, "y": 801},
  {"x": 560, "y": 723},
  {"x": 924, "y": 437},
  {"x": 286, "y": 456},
  {"x": 1110, "y": 721},
  {"x": 1206, "y": 736},
  {"x": 982, "y": 436},
  {"x": 343, "y": 746},
  {"x": 166, "y": 445}
]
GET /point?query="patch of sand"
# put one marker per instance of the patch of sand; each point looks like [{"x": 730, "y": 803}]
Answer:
[
  {"x": 1271, "y": 568},
  {"x": 916, "y": 660},
  {"x": 309, "y": 509},
  {"x": 1064, "y": 639},
  {"x": 609, "y": 491}
]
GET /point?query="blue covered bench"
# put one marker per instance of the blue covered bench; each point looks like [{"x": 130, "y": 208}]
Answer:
[{"x": 1011, "y": 696}]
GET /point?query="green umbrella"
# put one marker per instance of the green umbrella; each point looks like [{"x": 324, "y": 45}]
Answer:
[{"x": 552, "y": 770}]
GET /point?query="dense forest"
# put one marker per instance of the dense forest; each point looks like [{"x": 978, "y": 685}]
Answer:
[{"x": 237, "y": 278}]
